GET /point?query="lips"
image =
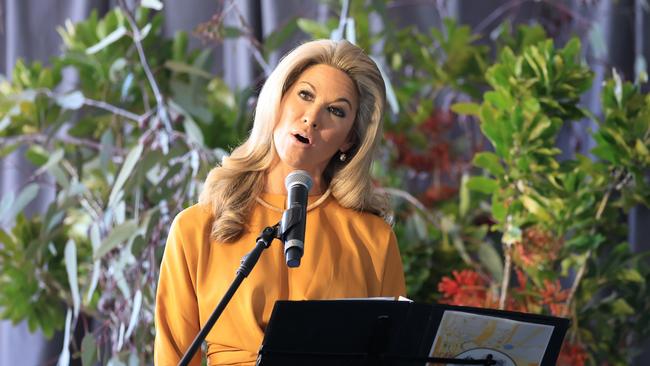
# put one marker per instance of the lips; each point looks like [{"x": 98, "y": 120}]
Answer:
[{"x": 302, "y": 138}]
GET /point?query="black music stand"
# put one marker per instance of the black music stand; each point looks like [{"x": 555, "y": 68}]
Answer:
[{"x": 371, "y": 332}]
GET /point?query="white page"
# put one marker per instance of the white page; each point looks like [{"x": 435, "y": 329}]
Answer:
[{"x": 473, "y": 336}]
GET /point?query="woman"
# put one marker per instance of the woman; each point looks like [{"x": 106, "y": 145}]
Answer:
[{"x": 320, "y": 111}]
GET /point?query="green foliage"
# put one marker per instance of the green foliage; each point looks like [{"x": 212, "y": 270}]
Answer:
[
  {"x": 575, "y": 207},
  {"x": 132, "y": 156},
  {"x": 32, "y": 273},
  {"x": 127, "y": 152}
]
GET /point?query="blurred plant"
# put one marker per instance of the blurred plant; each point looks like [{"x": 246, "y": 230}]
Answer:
[
  {"x": 550, "y": 216},
  {"x": 127, "y": 148},
  {"x": 122, "y": 151},
  {"x": 556, "y": 218}
]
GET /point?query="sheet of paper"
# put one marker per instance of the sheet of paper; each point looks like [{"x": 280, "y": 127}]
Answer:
[
  {"x": 388, "y": 298},
  {"x": 473, "y": 336}
]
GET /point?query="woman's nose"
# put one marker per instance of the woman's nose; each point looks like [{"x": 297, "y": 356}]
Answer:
[
  {"x": 311, "y": 117},
  {"x": 313, "y": 123}
]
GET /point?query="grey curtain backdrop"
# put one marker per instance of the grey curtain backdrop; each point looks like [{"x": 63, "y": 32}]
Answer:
[{"x": 27, "y": 30}]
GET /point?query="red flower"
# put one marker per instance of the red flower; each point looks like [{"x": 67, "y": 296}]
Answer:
[
  {"x": 554, "y": 296},
  {"x": 572, "y": 355},
  {"x": 439, "y": 121},
  {"x": 538, "y": 246},
  {"x": 437, "y": 193},
  {"x": 467, "y": 288}
]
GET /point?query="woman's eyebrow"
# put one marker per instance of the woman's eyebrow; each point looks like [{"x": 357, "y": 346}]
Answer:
[
  {"x": 341, "y": 99},
  {"x": 344, "y": 100},
  {"x": 308, "y": 83}
]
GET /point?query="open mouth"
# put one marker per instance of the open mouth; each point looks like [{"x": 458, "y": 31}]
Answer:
[{"x": 301, "y": 138}]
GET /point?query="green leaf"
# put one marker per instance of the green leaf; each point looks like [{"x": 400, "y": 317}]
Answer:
[
  {"x": 193, "y": 131},
  {"x": 179, "y": 46},
  {"x": 418, "y": 226},
  {"x": 618, "y": 88},
  {"x": 490, "y": 162},
  {"x": 630, "y": 275},
  {"x": 535, "y": 208},
  {"x": 60, "y": 176},
  {"x": 497, "y": 99},
  {"x": 5, "y": 205},
  {"x": 94, "y": 280},
  {"x": 622, "y": 308},
  {"x": 26, "y": 196},
  {"x": 119, "y": 234},
  {"x": 129, "y": 163},
  {"x": 274, "y": 40},
  {"x": 641, "y": 149},
  {"x": 482, "y": 184},
  {"x": 466, "y": 108},
  {"x": 72, "y": 101},
  {"x": 126, "y": 85},
  {"x": 231, "y": 32},
  {"x": 95, "y": 242},
  {"x": 107, "y": 145},
  {"x": 55, "y": 220},
  {"x": 117, "y": 67},
  {"x": 54, "y": 159},
  {"x": 313, "y": 28},
  {"x": 113, "y": 37},
  {"x": 182, "y": 67},
  {"x": 541, "y": 126},
  {"x": 585, "y": 242},
  {"x": 490, "y": 258},
  {"x": 71, "y": 268},
  {"x": 4, "y": 122},
  {"x": 499, "y": 210},
  {"x": 135, "y": 312},
  {"x": 37, "y": 155},
  {"x": 463, "y": 205},
  {"x": 7, "y": 149},
  {"x": 88, "y": 350},
  {"x": 95, "y": 238}
]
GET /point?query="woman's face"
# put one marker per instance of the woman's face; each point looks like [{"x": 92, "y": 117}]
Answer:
[{"x": 316, "y": 117}]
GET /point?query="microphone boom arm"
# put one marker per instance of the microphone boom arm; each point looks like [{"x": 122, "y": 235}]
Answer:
[{"x": 247, "y": 263}]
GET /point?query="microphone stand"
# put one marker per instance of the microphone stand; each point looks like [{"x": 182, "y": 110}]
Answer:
[{"x": 245, "y": 268}]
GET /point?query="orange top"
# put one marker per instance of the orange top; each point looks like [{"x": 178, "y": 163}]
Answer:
[{"x": 347, "y": 254}]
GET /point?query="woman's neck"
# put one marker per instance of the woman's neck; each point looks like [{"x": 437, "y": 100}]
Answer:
[{"x": 274, "y": 180}]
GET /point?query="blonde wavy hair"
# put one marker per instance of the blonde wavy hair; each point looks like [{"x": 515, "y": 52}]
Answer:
[{"x": 230, "y": 189}]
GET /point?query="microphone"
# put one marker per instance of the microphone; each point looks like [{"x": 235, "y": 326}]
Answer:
[{"x": 292, "y": 226}]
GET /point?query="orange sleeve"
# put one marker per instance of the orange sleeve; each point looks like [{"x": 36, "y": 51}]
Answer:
[
  {"x": 393, "y": 283},
  {"x": 177, "y": 312}
]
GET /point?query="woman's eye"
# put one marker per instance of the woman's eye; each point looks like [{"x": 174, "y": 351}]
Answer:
[
  {"x": 337, "y": 111},
  {"x": 305, "y": 95}
]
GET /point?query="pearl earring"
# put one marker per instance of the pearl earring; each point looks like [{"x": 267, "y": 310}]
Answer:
[{"x": 343, "y": 157}]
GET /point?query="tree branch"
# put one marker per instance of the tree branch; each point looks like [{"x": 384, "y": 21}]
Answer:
[
  {"x": 496, "y": 14},
  {"x": 137, "y": 41},
  {"x": 42, "y": 138},
  {"x": 505, "y": 282},
  {"x": 583, "y": 266},
  {"x": 113, "y": 109}
]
